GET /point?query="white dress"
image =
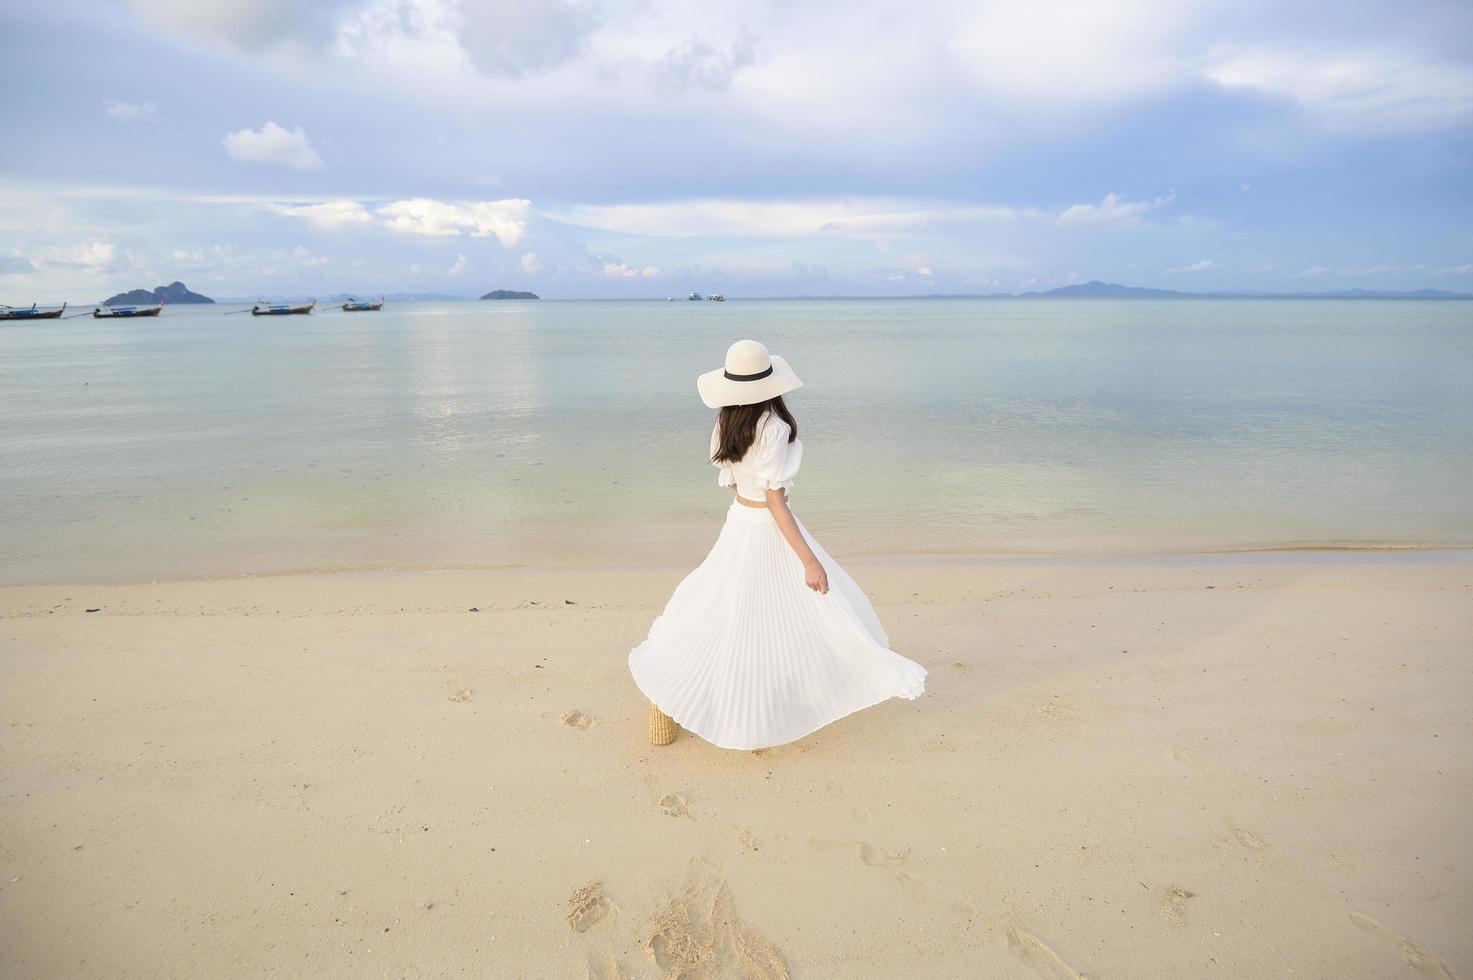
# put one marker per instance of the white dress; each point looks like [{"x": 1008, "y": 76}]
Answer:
[{"x": 745, "y": 654}]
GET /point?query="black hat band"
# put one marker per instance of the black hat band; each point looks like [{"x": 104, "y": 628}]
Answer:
[{"x": 748, "y": 377}]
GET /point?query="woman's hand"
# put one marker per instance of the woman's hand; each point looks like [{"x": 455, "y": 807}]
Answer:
[{"x": 816, "y": 578}]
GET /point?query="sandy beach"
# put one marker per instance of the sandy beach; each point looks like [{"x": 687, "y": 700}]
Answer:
[{"x": 1244, "y": 766}]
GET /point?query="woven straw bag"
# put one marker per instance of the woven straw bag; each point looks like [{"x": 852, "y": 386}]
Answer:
[{"x": 662, "y": 727}]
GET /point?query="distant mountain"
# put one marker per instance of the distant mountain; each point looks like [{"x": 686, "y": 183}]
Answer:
[
  {"x": 1377, "y": 294},
  {"x": 510, "y": 294},
  {"x": 1113, "y": 290},
  {"x": 1094, "y": 289},
  {"x": 174, "y": 292}
]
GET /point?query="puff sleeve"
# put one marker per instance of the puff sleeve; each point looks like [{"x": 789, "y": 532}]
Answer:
[
  {"x": 776, "y": 460},
  {"x": 724, "y": 477}
]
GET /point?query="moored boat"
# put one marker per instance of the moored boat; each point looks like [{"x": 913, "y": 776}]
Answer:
[
  {"x": 693, "y": 297},
  {"x": 32, "y": 312},
  {"x": 361, "y": 306},
  {"x": 104, "y": 310},
  {"x": 281, "y": 309},
  {"x": 717, "y": 297}
]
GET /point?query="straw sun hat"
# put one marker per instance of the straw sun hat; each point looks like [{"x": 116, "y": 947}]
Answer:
[{"x": 750, "y": 375}]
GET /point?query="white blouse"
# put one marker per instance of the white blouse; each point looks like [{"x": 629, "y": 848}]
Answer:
[{"x": 770, "y": 463}]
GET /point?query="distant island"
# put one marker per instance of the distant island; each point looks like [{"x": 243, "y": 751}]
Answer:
[
  {"x": 510, "y": 294},
  {"x": 174, "y": 292}
]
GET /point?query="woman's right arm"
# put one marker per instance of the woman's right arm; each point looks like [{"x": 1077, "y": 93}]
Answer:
[{"x": 813, "y": 574}]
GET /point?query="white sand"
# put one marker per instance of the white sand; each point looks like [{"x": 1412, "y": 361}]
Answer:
[{"x": 1215, "y": 768}]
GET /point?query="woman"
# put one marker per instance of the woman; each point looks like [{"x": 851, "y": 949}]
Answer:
[{"x": 769, "y": 639}]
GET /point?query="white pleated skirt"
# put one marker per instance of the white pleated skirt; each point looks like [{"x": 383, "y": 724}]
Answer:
[{"x": 746, "y": 656}]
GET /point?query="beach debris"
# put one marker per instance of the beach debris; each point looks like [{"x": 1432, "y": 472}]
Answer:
[
  {"x": 98, "y": 609},
  {"x": 460, "y": 695},
  {"x": 569, "y": 602},
  {"x": 474, "y": 609}
]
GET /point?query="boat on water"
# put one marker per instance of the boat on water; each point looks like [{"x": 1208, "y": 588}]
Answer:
[
  {"x": 717, "y": 297},
  {"x": 362, "y": 306},
  {"x": 32, "y": 312},
  {"x": 694, "y": 297},
  {"x": 281, "y": 309},
  {"x": 104, "y": 311}
]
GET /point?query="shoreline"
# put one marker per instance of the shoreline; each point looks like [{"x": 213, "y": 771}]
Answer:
[{"x": 1359, "y": 554}]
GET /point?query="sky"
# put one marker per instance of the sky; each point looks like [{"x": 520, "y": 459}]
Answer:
[{"x": 761, "y": 148}]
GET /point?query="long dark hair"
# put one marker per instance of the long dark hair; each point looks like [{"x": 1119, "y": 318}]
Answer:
[{"x": 738, "y": 427}]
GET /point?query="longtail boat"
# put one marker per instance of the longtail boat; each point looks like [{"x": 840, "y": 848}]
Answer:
[
  {"x": 106, "y": 311},
  {"x": 360, "y": 306},
  {"x": 281, "y": 309},
  {"x": 32, "y": 312}
]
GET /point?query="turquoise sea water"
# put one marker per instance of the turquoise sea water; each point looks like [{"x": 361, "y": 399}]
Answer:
[{"x": 464, "y": 434}]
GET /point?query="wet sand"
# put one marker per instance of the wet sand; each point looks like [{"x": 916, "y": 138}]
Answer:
[{"x": 1255, "y": 766}]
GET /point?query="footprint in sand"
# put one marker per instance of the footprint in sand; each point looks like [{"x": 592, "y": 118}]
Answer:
[
  {"x": 871, "y": 854},
  {"x": 1058, "y": 712},
  {"x": 458, "y": 693},
  {"x": 674, "y": 805},
  {"x": 577, "y": 719},
  {"x": 1248, "y": 838},
  {"x": 1037, "y": 954},
  {"x": 748, "y": 841},
  {"x": 605, "y": 967},
  {"x": 587, "y": 907},
  {"x": 1414, "y": 955},
  {"x": 876, "y": 856},
  {"x": 699, "y": 935},
  {"x": 1174, "y": 903}
]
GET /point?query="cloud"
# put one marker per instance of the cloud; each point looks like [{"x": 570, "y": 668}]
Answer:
[
  {"x": 1466, "y": 269},
  {"x": 506, "y": 220},
  {"x": 618, "y": 270},
  {"x": 695, "y": 63},
  {"x": 523, "y": 37},
  {"x": 337, "y": 213},
  {"x": 1385, "y": 89},
  {"x": 925, "y": 271},
  {"x": 1314, "y": 271},
  {"x": 457, "y": 268},
  {"x": 1245, "y": 187},
  {"x": 300, "y": 257},
  {"x": 89, "y": 256},
  {"x": 1112, "y": 208},
  {"x": 246, "y": 24},
  {"x": 857, "y": 218},
  {"x": 530, "y": 264},
  {"x": 1201, "y": 265},
  {"x": 1075, "y": 52},
  {"x": 273, "y": 144},
  {"x": 15, "y": 264},
  {"x": 128, "y": 111}
]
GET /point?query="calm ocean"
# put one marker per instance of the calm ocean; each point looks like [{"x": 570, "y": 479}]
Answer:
[{"x": 472, "y": 434}]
